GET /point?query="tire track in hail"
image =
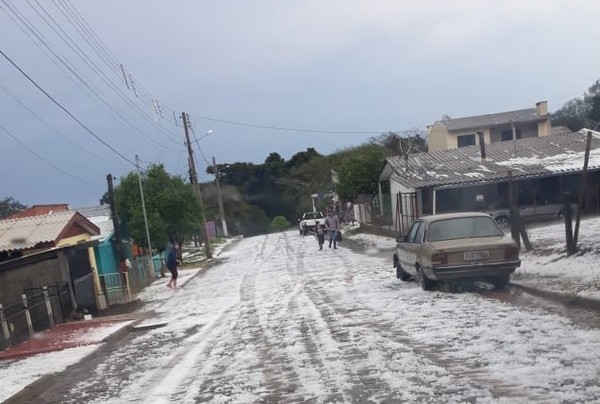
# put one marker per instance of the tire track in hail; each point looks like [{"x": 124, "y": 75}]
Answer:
[
  {"x": 388, "y": 330},
  {"x": 278, "y": 379}
]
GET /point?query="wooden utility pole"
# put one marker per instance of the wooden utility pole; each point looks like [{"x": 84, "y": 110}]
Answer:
[
  {"x": 582, "y": 187},
  {"x": 195, "y": 185}
]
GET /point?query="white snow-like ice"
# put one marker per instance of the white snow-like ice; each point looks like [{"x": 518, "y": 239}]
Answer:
[{"x": 276, "y": 313}]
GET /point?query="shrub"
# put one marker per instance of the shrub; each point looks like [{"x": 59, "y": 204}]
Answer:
[{"x": 279, "y": 223}]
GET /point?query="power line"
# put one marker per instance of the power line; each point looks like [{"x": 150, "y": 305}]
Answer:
[
  {"x": 75, "y": 19},
  {"x": 251, "y": 125},
  {"x": 32, "y": 81},
  {"x": 36, "y": 116},
  {"x": 122, "y": 116},
  {"x": 16, "y": 139}
]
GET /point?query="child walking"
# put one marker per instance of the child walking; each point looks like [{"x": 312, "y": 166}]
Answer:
[{"x": 320, "y": 234}]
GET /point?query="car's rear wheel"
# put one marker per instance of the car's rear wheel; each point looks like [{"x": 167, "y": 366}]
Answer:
[
  {"x": 401, "y": 274},
  {"x": 500, "y": 281},
  {"x": 426, "y": 283}
]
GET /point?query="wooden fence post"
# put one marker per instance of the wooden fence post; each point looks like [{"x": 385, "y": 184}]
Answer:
[
  {"x": 48, "y": 307},
  {"x": 4, "y": 324},
  {"x": 27, "y": 315}
]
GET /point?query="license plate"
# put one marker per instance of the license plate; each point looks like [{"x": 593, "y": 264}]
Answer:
[{"x": 477, "y": 255}]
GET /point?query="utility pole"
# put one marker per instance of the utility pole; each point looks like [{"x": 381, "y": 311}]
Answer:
[
  {"x": 195, "y": 185},
  {"x": 137, "y": 166},
  {"x": 220, "y": 198},
  {"x": 115, "y": 220}
]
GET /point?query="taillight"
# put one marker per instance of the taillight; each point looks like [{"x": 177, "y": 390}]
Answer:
[
  {"x": 439, "y": 259},
  {"x": 511, "y": 253}
]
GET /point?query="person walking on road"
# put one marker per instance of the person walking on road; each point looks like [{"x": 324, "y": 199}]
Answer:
[
  {"x": 332, "y": 225},
  {"x": 320, "y": 234},
  {"x": 172, "y": 263}
]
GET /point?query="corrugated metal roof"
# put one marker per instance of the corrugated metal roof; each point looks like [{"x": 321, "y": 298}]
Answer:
[
  {"x": 488, "y": 120},
  {"x": 27, "y": 232},
  {"x": 94, "y": 211},
  {"x": 529, "y": 157}
]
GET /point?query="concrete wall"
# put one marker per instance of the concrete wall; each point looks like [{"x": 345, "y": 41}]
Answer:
[{"x": 46, "y": 272}]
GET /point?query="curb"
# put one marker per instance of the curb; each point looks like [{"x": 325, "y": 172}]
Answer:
[{"x": 566, "y": 300}]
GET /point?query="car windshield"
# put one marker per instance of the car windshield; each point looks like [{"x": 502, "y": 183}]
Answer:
[
  {"x": 313, "y": 215},
  {"x": 463, "y": 227}
]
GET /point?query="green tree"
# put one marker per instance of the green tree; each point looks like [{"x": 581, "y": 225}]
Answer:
[
  {"x": 279, "y": 223},
  {"x": 358, "y": 171},
  {"x": 580, "y": 112},
  {"x": 171, "y": 206},
  {"x": 9, "y": 205}
]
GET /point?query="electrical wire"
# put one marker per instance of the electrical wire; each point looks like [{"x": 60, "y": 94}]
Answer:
[
  {"x": 73, "y": 71},
  {"x": 36, "y": 116},
  {"x": 16, "y": 139},
  {"x": 88, "y": 130},
  {"x": 279, "y": 128}
]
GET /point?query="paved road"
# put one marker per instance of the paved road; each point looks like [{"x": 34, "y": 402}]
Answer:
[{"x": 279, "y": 321}]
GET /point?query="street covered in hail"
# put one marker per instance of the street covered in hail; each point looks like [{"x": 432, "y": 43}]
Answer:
[{"x": 276, "y": 320}]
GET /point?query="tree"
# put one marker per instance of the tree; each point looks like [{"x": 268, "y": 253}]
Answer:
[
  {"x": 9, "y": 205},
  {"x": 171, "y": 206},
  {"x": 279, "y": 223},
  {"x": 358, "y": 171},
  {"x": 581, "y": 112}
]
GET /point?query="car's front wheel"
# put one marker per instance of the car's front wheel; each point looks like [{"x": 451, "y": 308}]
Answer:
[
  {"x": 401, "y": 274},
  {"x": 426, "y": 283}
]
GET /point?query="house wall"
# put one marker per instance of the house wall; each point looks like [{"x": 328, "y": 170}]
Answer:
[
  {"x": 106, "y": 258},
  {"x": 527, "y": 130},
  {"x": 544, "y": 128},
  {"x": 441, "y": 139},
  {"x": 48, "y": 271},
  {"x": 437, "y": 138}
]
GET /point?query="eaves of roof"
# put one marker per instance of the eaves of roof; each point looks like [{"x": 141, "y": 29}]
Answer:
[
  {"x": 491, "y": 120},
  {"x": 525, "y": 158}
]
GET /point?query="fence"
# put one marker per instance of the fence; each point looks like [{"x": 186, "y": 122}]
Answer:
[
  {"x": 122, "y": 287},
  {"x": 38, "y": 310}
]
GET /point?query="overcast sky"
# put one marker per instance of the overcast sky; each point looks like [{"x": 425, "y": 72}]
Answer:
[{"x": 315, "y": 65}]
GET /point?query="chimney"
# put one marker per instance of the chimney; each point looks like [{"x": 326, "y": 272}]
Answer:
[
  {"x": 541, "y": 108},
  {"x": 481, "y": 146}
]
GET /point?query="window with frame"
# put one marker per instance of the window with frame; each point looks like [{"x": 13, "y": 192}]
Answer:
[
  {"x": 466, "y": 140},
  {"x": 508, "y": 134}
]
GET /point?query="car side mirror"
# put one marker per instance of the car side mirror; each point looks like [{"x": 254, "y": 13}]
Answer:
[{"x": 400, "y": 239}]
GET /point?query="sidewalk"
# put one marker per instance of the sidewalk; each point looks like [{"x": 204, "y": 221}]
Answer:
[
  {"x": 100, "y": 329},
  {"x": 70, "y": 335}
]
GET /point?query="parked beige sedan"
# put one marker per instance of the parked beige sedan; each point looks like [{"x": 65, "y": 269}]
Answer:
[{"x": 467, "y": 245}]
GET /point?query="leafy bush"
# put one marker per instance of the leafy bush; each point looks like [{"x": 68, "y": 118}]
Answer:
[{"x": 279, "y": 223}]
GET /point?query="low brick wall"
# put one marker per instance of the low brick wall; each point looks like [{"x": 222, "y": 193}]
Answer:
[{"x": 378, "y": 231}]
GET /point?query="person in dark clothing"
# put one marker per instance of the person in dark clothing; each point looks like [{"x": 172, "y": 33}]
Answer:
[
  {"x": 172, "y": 263},
  {"x": 320, "y": 234}
]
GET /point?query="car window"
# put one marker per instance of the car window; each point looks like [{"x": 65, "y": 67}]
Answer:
[
  {"x": 463, "y": 227},
  {"x": 313, "y": 215},
  {"x": 419, "y": 235},
  {"x": 413, "y": 231}
]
